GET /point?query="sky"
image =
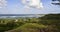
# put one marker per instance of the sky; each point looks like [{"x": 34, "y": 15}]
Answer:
[{"x": 17, "y": 7}]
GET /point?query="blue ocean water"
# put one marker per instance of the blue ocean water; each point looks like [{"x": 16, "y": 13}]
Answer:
[{"x": 20, "y": 15}]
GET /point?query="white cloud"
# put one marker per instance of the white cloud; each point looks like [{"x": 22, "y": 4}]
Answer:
[
  {"x": 2, "y": 3},
  {"x": 33, "y": 3}
]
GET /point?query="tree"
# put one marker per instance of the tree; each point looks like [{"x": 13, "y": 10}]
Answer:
[{"x": 51, "y": 20}]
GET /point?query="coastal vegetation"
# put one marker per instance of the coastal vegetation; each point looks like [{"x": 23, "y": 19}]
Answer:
[{"x": 47, "y": 23}]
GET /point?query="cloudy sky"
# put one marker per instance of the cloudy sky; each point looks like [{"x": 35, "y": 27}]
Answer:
[{"x": 17, "y": 7}]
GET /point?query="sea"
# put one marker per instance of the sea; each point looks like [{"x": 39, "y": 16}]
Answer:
[{"x": 20, "y": 15}]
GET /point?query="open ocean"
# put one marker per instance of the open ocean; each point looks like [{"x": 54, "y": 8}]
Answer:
[{"x": 20, "y": 15}]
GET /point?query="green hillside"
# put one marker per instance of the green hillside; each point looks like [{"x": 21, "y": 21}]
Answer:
[{"x": 47, "y": 23}]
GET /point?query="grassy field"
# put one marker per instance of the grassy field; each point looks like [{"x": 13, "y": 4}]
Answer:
[{"x": 47, "y": 23}]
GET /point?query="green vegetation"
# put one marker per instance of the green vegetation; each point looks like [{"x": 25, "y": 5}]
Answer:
[{"x": 47, "y": 23}]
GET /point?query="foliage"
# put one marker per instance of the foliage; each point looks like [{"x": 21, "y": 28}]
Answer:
[
  {"x": 30, "y": 27},
  {"x": 47, "y": 23},
  {"x": 52, "y": 20}
]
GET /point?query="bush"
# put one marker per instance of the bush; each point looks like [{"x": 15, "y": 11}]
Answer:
[{"x": 31, "y": 27}]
